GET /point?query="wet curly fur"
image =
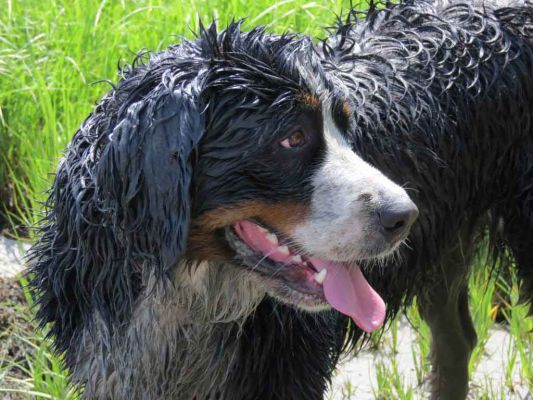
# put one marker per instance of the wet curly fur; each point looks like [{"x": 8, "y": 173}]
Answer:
[
  {"x": 134, "y": 313},
  {"x": 443, "y": 104},
  {"x": 442, "y": 99}
]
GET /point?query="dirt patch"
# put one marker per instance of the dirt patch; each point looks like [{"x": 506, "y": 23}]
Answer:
[
  {"x": 356, "y": 379},
  {"x": 11, "y": 296},
  {"x": 15, "y": 323}
]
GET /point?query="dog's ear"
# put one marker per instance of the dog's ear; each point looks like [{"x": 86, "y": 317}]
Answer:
[
  {"x": 144, "y": 174},
  {"x": 120, "y": 205}
]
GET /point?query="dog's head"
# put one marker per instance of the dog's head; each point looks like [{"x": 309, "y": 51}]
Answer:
[
  {"x": 277, "y": 188},
  {"x": 230, "y": 148}
]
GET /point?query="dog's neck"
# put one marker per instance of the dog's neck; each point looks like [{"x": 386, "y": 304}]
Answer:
[
  {"x": 193, "y": 323},
  {"x": 213, "y": 293}
]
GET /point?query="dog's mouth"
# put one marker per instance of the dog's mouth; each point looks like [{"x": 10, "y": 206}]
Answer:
[{"x": 341, "y": 285}]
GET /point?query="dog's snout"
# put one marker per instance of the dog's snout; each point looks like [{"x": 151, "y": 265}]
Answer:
[{"x": 397, "y": 218}]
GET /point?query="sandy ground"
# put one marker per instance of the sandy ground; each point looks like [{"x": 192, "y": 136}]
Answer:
[{"x": 360, "y": 372}]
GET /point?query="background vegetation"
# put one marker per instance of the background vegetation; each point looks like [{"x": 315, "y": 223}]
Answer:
[
  {"x": 53, "y": 51},
  {"x": 52, "y": 54}
]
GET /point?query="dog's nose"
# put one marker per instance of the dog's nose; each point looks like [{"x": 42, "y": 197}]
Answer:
[{"x": 397, "y": 218}]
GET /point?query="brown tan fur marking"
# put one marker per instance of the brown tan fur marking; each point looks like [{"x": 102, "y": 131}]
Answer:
[{"x": 203, "y": 243}]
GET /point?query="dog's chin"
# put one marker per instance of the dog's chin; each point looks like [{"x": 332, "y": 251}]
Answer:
[
  {"x": 290, "y": 278},
  {"x": 379, "y": 249},
  {"x": 297, "y": 299}
]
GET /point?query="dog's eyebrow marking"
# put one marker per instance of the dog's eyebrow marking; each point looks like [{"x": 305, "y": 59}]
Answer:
[
  {"x": 311, "y": 100},
  {"x": 346, "y": 109}
]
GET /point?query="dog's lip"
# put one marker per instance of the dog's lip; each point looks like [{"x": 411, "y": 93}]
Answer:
[
  {"x": 287, "y": 264},
  {"x": 271, "y": 243}
]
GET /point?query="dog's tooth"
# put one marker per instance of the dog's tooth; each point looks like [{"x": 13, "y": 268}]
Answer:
[
  {"x": 283, "y": 250},
  {"x": 320, "y": 277},
  {"x": 272, "y": 238},
  {"x": 297, "y": 259},
  {"x": 261, "y": 229}
]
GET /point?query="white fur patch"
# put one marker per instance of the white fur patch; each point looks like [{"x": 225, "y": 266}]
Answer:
[
  {"x": 340, "y": 223},
  {"x": 173, "y": 334}
]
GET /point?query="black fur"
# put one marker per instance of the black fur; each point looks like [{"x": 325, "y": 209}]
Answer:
[
  {"x": 443, "y": 104},
  {"x": 442, "y": 98},
  {"x": 168, "y": 143}
]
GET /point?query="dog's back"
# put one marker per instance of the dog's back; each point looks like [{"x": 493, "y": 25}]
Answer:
[
  {"x": 443, "y": 99},
  {"x": 441, "y": 95}
]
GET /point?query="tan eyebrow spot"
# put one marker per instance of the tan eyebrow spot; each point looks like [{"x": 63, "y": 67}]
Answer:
[
  {"x": 311, "y": 100},
  {"x": 346, "y": 109}
]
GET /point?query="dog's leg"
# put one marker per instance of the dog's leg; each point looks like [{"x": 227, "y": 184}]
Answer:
[
  {"x": 445, "y": 308},
  {"x": 519, "y": 236}
]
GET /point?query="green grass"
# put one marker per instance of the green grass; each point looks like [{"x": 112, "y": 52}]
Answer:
[
  {"x": 50, "y": 54},
  {"x": 35, "y": 372},
  {"x": 511, "y": 374}
]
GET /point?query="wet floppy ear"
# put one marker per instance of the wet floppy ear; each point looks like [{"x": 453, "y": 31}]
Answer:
[
  {"x": 145, "y": 176},
  {"x": 117, "y": 216}
]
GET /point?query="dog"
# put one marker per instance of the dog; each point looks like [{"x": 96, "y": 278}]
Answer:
[
  {"x": 205, "y": 227},
  {"x": 442, "y": 96}
]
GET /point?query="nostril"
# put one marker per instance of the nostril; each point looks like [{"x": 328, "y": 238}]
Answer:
[
  {"x": 397, "y": 218},
  {"x": 397, "y": 225},
  {"x": 391, "y": 220}
]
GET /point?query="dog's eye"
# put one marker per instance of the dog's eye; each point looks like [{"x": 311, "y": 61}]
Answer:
[{"x": 297, "y": 139}]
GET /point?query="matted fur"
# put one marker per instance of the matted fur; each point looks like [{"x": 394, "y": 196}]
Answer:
[
  {"x": 135, "y": 317},
  {"x": 443, "y": 104},
  {"x": 442, "y": 100}
]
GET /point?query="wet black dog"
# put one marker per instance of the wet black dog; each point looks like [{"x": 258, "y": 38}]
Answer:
[
  {"x": 213, "y": 195},
  {"x": 209, "y": 199},
  {"x": 443, "y": 104}
]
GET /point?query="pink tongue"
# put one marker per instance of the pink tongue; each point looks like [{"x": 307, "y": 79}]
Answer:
[
  {"x": 345, "y": 287},
  {"x": 347, "y": 290}
]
